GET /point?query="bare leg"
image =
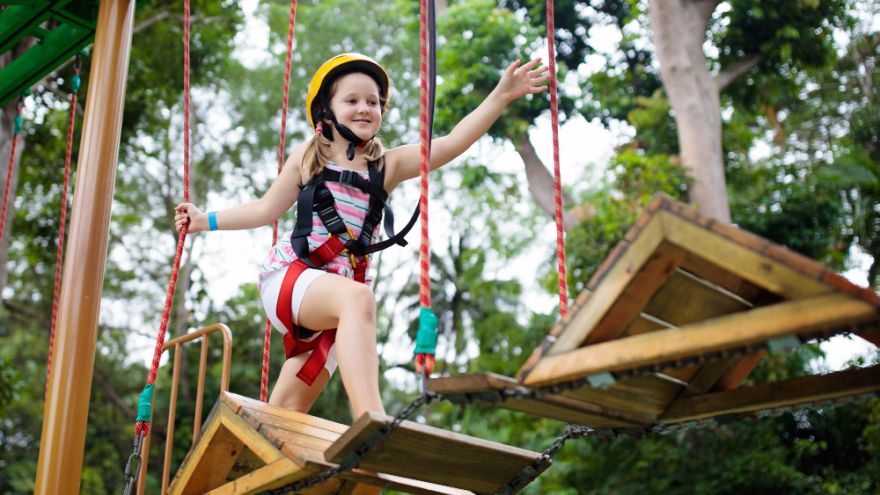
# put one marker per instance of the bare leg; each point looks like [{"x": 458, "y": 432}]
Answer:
[
  {"x": 332, "y": 301},
  {"x": 292, "y": 393}
]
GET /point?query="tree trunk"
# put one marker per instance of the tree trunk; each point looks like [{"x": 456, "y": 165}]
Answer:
[
  {"x": 541, "y": 183},
  {"x": 679, "y": 30}
]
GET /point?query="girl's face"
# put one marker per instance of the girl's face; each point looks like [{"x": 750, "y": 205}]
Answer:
[{"x": 355, "y": 102}]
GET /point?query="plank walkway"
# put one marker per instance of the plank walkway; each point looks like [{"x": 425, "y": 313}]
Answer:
[
  {"x": 249, "y": 447},
  {"x": 676, "y": 318}
]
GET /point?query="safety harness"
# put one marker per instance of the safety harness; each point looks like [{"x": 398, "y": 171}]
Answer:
[{"x": 316, "y": 197}]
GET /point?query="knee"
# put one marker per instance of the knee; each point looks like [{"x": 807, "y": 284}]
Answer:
[{"x": 360, "y": 302}]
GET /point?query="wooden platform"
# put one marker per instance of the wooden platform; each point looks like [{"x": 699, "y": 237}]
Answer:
[
  {"x": 677, "y": 317},
  {"x": 249, "y": 447}
]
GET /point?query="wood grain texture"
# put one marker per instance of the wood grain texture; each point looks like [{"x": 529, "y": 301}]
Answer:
[
  {"x": 756, "y": 326},
  {"x": 418, "y": 451},
  {"x": 788, "y": 393}
]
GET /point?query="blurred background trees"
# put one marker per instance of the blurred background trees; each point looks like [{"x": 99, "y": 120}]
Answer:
[{"x": 793, "y": 91}]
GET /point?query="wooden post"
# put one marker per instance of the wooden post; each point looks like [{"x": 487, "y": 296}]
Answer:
[{"x": 65, "y": 414}]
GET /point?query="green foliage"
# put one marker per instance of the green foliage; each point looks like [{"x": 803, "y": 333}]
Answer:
[
  {"x": 479, "y": 41},
  {"x": 816, "y": 193},
  {"x": 634, "y": 179}
]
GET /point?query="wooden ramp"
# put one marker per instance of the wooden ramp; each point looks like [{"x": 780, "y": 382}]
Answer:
[
  {"x": 676, "y": 318},
  {"x": 249, "y": 447}
]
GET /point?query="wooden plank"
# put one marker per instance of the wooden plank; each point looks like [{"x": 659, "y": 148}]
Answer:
[
  {"x": 741, "y": 329},
  {"x": 400, "y": 484},
  {"x": 617, "y": 279},
  {"x": 787, "y": 393},
  {"x": 685, "y": 299},
  {"x": 626, "y": 308},
  {"x": 273, "y": 475},
  {"x": 198, "y": 473},
  {"x": 418, "y": 451},
  {"x": 292, "y": 424},
  {"x": 707, "y": 375},
  {"x": 236, "y": 402},
  {"x": 739, "y": 371},
  {"x": 552, "y": 406},
  {"x": 565, "y": 409},
  {"x": 743, "y": 260},
  {"x": 711, "y": 272},
  {"x": 189, "y": 467},
  {"x": 644, "y": 397}
]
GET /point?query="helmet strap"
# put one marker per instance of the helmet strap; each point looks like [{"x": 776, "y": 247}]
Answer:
[{"x": 353, "y": 140}]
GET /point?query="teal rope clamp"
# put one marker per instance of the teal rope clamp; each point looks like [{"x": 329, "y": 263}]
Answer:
[
  {"x": 145, "y": 404},
  {"x": 18, "y": 124},
  {"x": 426, "y": 338}
]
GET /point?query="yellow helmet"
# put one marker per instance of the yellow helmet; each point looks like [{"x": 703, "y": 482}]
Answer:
[{"x": 337, "y": 66}]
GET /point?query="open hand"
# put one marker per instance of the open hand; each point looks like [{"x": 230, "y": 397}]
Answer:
[{"x": 520, "y": 80}]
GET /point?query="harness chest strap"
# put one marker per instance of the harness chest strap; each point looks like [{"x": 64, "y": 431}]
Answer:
[{"x": 293, "y": 343}]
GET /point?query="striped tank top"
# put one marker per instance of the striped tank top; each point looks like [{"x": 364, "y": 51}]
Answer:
[{"x": 352, "y": 205}]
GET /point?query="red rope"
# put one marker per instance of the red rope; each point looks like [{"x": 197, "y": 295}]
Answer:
[
  {"x": 557, "y": 180},
  {"x": 424, "y": 250},
  {"x": 61, "y": 226},
  {"x": 267, "y": 337},
  {"x": 9, "y": 172},
  {"x": 143, "y": 426}
]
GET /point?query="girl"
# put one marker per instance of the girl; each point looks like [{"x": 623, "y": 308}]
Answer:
[{"x": 310, "y": 284}]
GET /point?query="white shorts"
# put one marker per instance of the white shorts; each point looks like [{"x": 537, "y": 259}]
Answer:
[{"x": 269, "y": 291}]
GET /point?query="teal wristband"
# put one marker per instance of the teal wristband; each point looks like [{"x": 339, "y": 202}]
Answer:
[{"x": 212, "y": 220}]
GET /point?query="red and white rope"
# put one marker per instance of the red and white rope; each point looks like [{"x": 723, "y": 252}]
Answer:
[
  {"x": 557, "y": 180},
  {"x": 267, "y": 332},
  {"x": 424, "y": 167}
]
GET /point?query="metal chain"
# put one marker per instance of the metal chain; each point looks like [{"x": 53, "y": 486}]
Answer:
[
  {"x": 530, "y": 472},
  {"x": 358, "y": 455}
]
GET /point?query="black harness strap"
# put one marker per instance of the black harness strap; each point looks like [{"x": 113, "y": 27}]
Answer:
[{"x": 316, "y": 197}]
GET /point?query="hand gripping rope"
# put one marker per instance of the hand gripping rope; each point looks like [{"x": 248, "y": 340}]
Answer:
[
  {"x": 74, "y": 88},
  {"x": 11, "y": 168},
  {"x": 142, "y": 424},
  {"x": 267, "y": 333}
]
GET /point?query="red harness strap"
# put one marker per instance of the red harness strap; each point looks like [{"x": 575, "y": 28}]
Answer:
[{"x": 293, "y": 343}]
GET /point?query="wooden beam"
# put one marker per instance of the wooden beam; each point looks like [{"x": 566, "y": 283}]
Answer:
[
  {"x": 553, "y": 406},
  {"x": 654, "y": 274},
  {"x": 686, "y": 299},
  {"x": 743, "y": 260},
  {"x": 211, "y": 459},
  {"x": 610, "y": 289},
  {"x": 787, "y": 393},
  {"x": 741, "y": 329},
  {"x": 419, "y": 451},
  {"x": 273, "y": 475},
  {"x": 66, "y": 408}
]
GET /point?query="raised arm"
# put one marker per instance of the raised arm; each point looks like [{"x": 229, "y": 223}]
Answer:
[
  {"x": 282, "y": 194},
  {"x": 516, "y": 82}
]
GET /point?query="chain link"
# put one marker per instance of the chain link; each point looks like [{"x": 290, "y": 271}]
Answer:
[
  {"x": 529, "y": 473},
  {"x": 354, "y": 459}
]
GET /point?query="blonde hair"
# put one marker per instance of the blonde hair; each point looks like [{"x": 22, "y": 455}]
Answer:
[{"x": 317, "y": 155}]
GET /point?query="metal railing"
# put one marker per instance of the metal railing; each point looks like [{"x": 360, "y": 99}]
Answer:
[{"x": 176, "y": 343}]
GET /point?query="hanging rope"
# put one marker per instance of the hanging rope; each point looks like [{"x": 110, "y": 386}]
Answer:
[
  {"x": 142, "y": 424},
  {"x": 11, "y": 168},
  {"x": 74, "y": 83},
  {"x": 267, "y": 333},
  {"x": 426, "y": 338},
  {"x": 557, "y": 178}
]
